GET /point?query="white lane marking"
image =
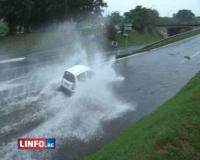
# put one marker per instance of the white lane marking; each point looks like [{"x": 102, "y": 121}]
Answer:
[
  {"x": 9, "y": 83},
  {"x": 16, "y": 79},
  {"x": 7, "y": 86},
  {"x": 190, "y": 57},
  {"x": 12, "y": 60},
  {"x": 133, "y": 55},
  {"x": 194, "y": 55}
]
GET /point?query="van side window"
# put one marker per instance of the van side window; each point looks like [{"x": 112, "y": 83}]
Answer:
[{"x": 82, "y": 77}]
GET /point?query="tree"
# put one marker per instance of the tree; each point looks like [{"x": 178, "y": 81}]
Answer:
[
  {"x": 3, "y": 28},
  {"x": 111, "y": 32},
  {"x": 115, "y": 18},
  {"x": 29, "y": 14},
  {"x": 184, "y": 16},
  {"x": 114, "y": 22},
  {"x": 142, "y": 17},
  {"x": 12, "y": 13},
  {"x": 198, "y": 19}
]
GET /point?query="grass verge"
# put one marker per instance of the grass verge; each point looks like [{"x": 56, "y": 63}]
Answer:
[
  {"x": 23, "y": 44},
  {"x": 135, "y": 37},
  {"x": 171, "y": 132},
  {"x": 164, "y": 42}
]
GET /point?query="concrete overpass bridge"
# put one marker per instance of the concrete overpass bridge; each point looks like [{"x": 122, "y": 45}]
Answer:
[{"x": 172, "y": 29}]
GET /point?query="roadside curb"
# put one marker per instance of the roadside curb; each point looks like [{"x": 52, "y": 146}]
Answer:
[{"x": 149, "y": 47}]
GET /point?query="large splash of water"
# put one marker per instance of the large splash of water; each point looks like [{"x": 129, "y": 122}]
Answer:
[{"x": 81, "y": 115}]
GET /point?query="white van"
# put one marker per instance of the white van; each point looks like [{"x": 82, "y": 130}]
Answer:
[{"x": 75, "y": 75}]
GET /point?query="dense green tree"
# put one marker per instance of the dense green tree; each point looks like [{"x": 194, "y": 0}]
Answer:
[
  {"x": 3, "y": 28},
  {"x": 184, "y": 16},
  {"x": 115, "y": 18},
  {"x": 198, "y": 19},
  {"x": 114, "y": 23},
  {"x": 111, "y": 32},
  {"x": 30, "y": 14},
  {"x": 142, "y": 17},
  {"x": 13, "y": 12}
]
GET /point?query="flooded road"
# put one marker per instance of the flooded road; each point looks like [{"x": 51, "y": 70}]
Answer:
[{"x": 120, "y": 94}]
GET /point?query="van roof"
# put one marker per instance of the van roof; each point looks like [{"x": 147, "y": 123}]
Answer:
[{"x": 78, "y": 69}]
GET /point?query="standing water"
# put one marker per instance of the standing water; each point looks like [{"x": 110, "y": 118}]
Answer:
[{"x": 51, "y": 113}]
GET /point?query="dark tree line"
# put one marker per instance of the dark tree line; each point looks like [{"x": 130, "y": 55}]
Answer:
[
  {"x": 184, "y": 16},
  {"x": 143, "y": 18},
  {"x": 27, "y": 15},
  {"x": 113, "y": 20}
]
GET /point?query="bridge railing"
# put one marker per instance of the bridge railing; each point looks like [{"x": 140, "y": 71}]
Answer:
[{"x": 177, "y": 24}]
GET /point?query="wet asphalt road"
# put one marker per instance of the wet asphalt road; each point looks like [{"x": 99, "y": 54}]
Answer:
[
  {"x": 155, "y": 76},
  {"x": 151, "y": 78}
]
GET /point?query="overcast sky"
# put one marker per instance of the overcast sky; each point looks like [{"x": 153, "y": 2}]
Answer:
[{"x": 165, "y": 7}]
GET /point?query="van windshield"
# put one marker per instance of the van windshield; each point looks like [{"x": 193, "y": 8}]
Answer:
[{"x": 68, "y": 76}]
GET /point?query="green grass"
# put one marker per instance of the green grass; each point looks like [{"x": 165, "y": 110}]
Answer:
[
  {"x": 136, "y": 37},
  {"x": 173, "y": 39},
  {"x": 172, "y": 132},
  {"x": 17, "y": 44},
  {"x": 165, "y": 42},
  {"x": 21, "y": 44}
]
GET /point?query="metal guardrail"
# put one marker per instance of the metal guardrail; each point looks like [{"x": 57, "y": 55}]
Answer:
[
  {"x": 168, "y": 38},
  {"x": 178, "y": 25},
  {"x": 149, "y": 46}
]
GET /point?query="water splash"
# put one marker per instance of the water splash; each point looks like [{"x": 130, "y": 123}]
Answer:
[{"x": 80, "y": 116}]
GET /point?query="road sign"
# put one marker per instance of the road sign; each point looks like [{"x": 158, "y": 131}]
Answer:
[
  {"x": 128, "y": 26},
  {"x": 114, "y": 43},
  {"x": 125, "y": 34}
]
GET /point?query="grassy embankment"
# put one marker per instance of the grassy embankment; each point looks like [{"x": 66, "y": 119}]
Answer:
[
  {"x": 139, "y": 38},
  {"x": 23, "y": 44},
  {"x": 164, "y": 42},
  {"x": 172, "y": 132}
]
